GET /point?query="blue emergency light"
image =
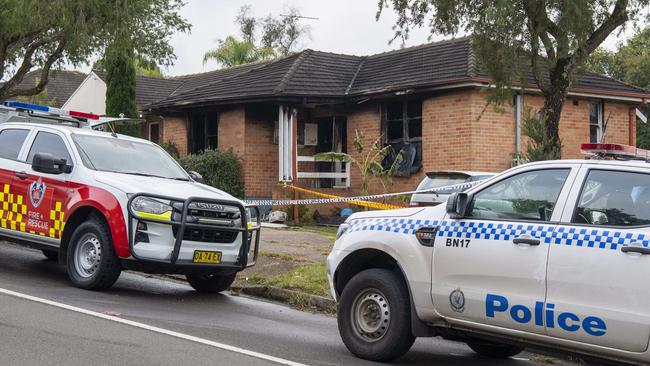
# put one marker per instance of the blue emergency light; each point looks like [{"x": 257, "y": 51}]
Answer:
[{"x": 43, "y": 108}]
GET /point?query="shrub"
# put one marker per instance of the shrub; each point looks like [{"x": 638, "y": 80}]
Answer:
[
  {"x": 171, "y": 148},
  {"x": 220, "y": 169}
]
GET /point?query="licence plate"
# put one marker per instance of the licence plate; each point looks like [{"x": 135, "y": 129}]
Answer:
[{"x": 201, "y": 256}]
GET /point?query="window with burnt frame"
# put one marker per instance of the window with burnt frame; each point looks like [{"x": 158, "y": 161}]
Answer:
[
  {"x": 203, "y": 131},
  {"x": 402, "y": 130}
]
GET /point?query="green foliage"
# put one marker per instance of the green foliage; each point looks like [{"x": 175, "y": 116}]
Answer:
[
  {"x": 534, "y": 126},
  {"x": 47, "y": 34},
  {"x": 232, "y": 52},
  {"x": 631, "y": 64},
  {"x": 120, "y": 86},
  {"x": 550, "y": 39},
  {"x": 171, "y": 148},
  {"x": 220, "y": 169},
  {"x": 279, "y": 36},
  {"x": 368, "y": 163}
]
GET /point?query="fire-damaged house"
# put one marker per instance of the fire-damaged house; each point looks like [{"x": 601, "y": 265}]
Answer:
[{"x": 427, "y": 101}]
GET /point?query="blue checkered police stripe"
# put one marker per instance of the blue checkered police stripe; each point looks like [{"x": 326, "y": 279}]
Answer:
[{"x": 564, "y": 235}]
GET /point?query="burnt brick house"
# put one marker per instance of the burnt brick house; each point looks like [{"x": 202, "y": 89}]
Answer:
[{"x": 424, "y": 100}]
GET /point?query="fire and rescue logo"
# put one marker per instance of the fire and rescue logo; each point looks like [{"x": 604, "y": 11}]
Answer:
[
  {"x": 457, "y": 300},
  {"x": 37, "y": 192}
]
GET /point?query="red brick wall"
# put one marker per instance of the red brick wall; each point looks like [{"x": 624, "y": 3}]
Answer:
[
  {"x": 261, "y": 154},
  {"x": 231, "y": 133},
  {"x": 174, "y": 129}
]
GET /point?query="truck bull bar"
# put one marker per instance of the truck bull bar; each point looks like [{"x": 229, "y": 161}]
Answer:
[{"x": 248, "y": 233}]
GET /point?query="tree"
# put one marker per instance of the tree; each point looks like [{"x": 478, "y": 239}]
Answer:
[
  {"x": 120, "y": 85},
  {"x": 631, "y": 64},
  {"x": 232, "y": 52},
  {"x": 552, "y": 39},
  {"x": 36, "y": 34},
  {"x": 279, "y": 36}
]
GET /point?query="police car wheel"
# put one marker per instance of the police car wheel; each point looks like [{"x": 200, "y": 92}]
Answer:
[
  {"x": 374, "y": 316},
  {"x": 494, "y": 350},
  {"x": 51, "y": 255},
  {"x": 91, "y": 260},
  {"x": 211, "y": 282}
]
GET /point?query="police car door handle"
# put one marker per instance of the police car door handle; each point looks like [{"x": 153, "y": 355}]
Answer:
[
  {"x": 635, "y": 248},
  {"x": 526, "y": 240},
  {"x": 22, "y": 175}
]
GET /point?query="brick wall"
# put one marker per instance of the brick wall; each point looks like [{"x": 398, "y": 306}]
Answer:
[
  {"x": 261, "y": 159},
  {"x": 231, "y": 133},
  {"x": 174, "y": 129}
]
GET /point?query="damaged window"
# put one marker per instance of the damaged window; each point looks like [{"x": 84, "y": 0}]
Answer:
[{"x": 402, "y": 130}]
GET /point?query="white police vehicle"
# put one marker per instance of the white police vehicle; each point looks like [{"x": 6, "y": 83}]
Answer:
[
  {"x": 102, "y": 202},
  {"x": 552, "y": 254}
]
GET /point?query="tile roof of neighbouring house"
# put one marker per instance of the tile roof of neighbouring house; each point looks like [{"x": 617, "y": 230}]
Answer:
[
  {"x": 60, "y": 87},
  {"x": 315, "y": 74}
]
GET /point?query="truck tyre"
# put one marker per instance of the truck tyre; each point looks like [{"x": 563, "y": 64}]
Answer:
[
  {"x": 494, "y": 350},
  {"x": 51, "y": 255},
  {"x": 211, "y": 282},
  {"x": 374, "y": 316},
  {"x": 91, "y": 260}
]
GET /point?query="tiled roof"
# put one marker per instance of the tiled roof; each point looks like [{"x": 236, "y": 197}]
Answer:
[
  {"x": 314, "y": 74},
  {"x": 61, "y": 85}
]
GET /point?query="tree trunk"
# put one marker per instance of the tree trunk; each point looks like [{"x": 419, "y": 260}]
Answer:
[{"x": 550, "y": 113}]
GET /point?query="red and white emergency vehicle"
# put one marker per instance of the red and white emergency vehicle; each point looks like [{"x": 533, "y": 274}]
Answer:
[{"x": 101, "y": 202}]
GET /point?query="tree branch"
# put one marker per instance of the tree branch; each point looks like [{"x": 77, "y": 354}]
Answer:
[
  {"x": 618, "y": 17},
  {"x": 6, "y": 89}
]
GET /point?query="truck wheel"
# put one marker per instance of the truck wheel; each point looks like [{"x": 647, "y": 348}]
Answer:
[
  {"x": 374, "y": 316},
  {"x": 92, "y": 263},
  {"x": 211, "y": 282},
  {"x": 494, "y": 350},
  {"x": 51, "y": 255}
]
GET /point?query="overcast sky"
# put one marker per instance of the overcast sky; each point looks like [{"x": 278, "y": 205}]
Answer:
[{"x": 343, "y": 26}]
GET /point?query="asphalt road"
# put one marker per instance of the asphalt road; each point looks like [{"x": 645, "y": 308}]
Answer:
[{"x": 190, "y": 328}]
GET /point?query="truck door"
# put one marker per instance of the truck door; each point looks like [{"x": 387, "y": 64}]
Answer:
[
  {"x": 45, "y": 193},
  {"x": 490, "y": 267},
  {"x": 599, "y": 261},
  {"x": 11, "y": 143}
]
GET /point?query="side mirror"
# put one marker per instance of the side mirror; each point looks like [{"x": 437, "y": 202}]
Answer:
[
  {"x": 195, "y": 176},
  {"x": 457, "y": 205},
  {"x": 46, "y": 163}
]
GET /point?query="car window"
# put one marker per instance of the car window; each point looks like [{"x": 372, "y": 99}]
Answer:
[
  {"x": 46, "y": 142},
  {"x": 11, "y": 140},
  {"x": 440, "y": 180},
  {"x": 614, "y": 198},
  {"x": 526, "y": 196}
]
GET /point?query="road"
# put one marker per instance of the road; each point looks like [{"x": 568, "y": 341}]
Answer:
[{"x": 150, "y": 321}]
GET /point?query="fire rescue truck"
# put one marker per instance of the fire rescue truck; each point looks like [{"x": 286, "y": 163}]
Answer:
[
  {"x": 100, "y": 202},
  {"x": 552, "y": 254}
]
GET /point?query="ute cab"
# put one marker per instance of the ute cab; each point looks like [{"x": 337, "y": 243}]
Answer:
[
  {"x": 552, "y": 254},
  {"x": 102, "y": 202}
]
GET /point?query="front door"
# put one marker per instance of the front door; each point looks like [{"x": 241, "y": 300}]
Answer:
[
  {"x": 599, "y": 265},
  {"x": 45, "y": 193},
  {"x": 490, "y": 267}
]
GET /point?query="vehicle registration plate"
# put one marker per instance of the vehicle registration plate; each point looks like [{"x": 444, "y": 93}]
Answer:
[{"x": 201, "y": 256}]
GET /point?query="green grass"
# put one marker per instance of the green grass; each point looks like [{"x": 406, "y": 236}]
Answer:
[
  {"x": 311, "y": 279},
  {"x": 326, "y": 231}
]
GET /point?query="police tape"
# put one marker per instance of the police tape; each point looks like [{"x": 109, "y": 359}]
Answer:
[{"x": 359, "y": 200}]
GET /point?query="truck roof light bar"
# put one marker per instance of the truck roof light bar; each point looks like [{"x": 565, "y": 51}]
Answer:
[
  {"x": 615, "y": 151},
  {"x": 50, "y": 110}
]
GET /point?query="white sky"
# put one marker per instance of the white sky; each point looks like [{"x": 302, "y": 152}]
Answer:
[{"x": 343, "y": 26}]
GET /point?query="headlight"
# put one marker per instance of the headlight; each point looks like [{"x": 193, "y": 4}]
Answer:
[
  {"x": 150, "y": 208},
  {"x": 343, "y": 228},
  {"x": 251, "y": 217}
]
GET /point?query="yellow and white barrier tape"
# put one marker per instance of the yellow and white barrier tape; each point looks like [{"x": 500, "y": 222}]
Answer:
[{"x": 358, "y": 200}]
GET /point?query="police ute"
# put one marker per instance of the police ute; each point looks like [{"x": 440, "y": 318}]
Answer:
[
  {"x": 99, "y": 203},
  {"x": 549, "y": 255}
]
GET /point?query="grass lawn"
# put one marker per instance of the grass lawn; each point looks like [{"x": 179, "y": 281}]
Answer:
[
  {"x": 311, "y": 279},
  {"x": 327, "y": 231}
]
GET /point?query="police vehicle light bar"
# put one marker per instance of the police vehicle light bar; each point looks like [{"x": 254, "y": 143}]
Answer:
[
  {"x": 46, "y": 109},
  {"x": 617, "y": 151}
]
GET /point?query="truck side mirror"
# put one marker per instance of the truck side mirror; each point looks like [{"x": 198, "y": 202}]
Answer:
[
  {"x": 457, "y": 205},
  {"x": 46, "y": 163}
]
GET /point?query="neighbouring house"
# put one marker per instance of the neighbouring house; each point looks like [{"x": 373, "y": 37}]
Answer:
[{"x": 424, "y": 101}]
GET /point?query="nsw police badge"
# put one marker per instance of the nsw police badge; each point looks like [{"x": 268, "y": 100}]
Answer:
[
  {"x": 37, "y": 192},
  {"x": 457, "y": 300}
]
